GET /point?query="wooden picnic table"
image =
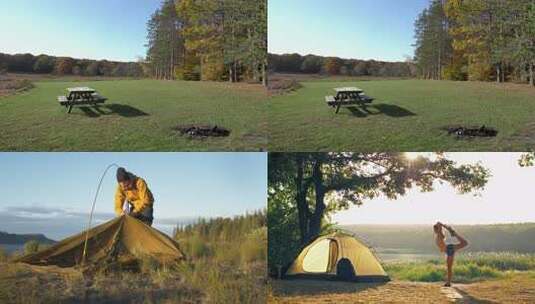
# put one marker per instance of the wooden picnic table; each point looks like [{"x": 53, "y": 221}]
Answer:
[
  {"x": 349, "y": 93},
  {"x": 347, "y": 96},
  {"x": 80, "y": 96},
  {"x": 80, "y": 93}
]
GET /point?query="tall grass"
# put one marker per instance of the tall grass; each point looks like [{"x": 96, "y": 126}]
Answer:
[
  {"x": 227, "y": 258},
  {"x": 467, "y": 268},
  {"x": 3, "y": 255},
  {"x": 226, "y": 263}
]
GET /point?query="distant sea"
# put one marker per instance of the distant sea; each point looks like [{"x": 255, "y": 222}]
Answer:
[
  {"x": 404, "y": 255},
  {"x": 10, "y": 248}
]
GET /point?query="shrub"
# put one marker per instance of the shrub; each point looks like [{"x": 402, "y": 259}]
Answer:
[
  {"x": 283, "y": 86},
  {"x": 254, "y": 248},
  {"x": 196, "y": 247},
  {"x": 31, "y": 247}
]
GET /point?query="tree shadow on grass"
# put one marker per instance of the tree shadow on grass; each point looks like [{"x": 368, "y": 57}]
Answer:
[
  {"x": 380, "y": 109},
  {"x": 113, "y": 109},
  {"x": 309, "y": 287}
]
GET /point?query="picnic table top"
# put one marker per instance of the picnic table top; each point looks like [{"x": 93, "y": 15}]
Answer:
[
  {"x": 348, "y": 89},
  {"x": 81, "y": 89}
]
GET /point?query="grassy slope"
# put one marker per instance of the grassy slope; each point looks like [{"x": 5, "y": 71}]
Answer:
[
  {"x": 33, "y": 121},
  {"x": 409, "y": 117}
]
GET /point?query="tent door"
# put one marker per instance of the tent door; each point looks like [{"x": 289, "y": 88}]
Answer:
[
  {"x": 333, "y": 256},
  {"x": 322, "y": 257}
]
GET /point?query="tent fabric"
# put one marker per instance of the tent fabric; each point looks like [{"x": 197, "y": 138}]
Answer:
[
  {"x": 320, "y": 259},
  {"x": 122, "y": 239}
]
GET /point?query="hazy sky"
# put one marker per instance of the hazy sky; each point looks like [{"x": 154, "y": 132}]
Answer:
[
  {"x": 95, "y": 29},
  {"x": 361, "y": 29},
  {"x": 52, "y": 193},
  {"x": 508, "y": 198}
]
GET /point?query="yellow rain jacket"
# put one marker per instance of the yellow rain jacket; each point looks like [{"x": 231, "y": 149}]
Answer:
[{"x": 140, "y": 196}]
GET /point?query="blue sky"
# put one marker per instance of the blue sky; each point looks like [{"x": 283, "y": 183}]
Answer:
[
  {"x": 94, "y": 29},
  {"x": 52, "y": 193},
  {"x": 360, "y": 29}
]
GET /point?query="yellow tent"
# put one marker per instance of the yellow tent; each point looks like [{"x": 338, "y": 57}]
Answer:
[
  {"x": 335, "y": 256},
  {"x": 123, "y": 241}
]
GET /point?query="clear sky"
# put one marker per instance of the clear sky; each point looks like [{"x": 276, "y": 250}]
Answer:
[
  {"x": 52, "y": 193},
  {"x": 360, "y": 29},
  {"x": 508, "y": 198},
  {"x": 94, "y": 29}
]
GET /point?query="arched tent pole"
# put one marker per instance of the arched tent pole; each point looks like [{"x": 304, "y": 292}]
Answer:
[{"x": 93, "y": 209}]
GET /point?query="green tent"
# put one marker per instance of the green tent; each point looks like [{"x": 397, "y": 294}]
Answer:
[
  {"x": 325, "y": 256},
  {"x": 121, "y": 241}
]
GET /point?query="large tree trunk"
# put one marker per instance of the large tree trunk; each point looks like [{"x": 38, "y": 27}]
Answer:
[
  {"x": 498, "y": 74},
  {"x": 302, "y": 207},
  {"x": 319, "y": 210}
]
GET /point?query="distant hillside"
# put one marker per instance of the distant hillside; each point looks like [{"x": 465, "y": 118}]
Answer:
[
  {"x": 500, "y": 237},
  {"x": 20, "y": 239}
]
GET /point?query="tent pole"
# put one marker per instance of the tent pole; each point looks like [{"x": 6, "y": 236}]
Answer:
[{"x": 92, "y": 210}]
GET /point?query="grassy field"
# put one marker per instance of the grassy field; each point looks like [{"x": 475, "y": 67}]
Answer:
[
  {"x": 139, "y": 116},
  {"x": 470, "y": 267},
  {"x": 407, "y": 115}
]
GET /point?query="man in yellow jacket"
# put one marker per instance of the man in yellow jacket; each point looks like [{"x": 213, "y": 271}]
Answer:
[{"x": 133, "y": 197}]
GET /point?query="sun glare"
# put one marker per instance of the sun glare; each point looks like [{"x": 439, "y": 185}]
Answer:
[{"x": 412, "y": 155}]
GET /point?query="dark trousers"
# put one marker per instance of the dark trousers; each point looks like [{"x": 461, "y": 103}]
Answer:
[{"x": 145, "y": 215}]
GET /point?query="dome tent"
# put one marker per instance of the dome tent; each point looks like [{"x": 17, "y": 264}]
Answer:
[
  {"x": 338, "y": 256},
  {"x": 121, "y": 241}
]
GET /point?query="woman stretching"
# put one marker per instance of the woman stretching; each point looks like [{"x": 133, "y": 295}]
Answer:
[{"x": 448, "y": 249}]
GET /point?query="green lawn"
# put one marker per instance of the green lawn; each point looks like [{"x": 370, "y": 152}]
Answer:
[
  {"x": 408, "y": 115},
  {"x": 138, "y": 116}
]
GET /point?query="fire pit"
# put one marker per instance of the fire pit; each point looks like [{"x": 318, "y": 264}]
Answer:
[
  {"x": 471, "y": 132},
  {"x": 202, "y": 131}
]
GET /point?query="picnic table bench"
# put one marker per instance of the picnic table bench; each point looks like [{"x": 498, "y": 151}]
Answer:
[
  {"x": 349, "y": 96},
  {"x": 79, "y": 97}
]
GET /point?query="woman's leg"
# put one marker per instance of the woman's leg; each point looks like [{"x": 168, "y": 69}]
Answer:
[
  {"x": 463, "y": 243},
  {"x": 449, "y": 263}
]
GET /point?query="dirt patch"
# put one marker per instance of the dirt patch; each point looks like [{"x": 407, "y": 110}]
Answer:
[
  {"x": 283, "y": 86},
  {"x": 519, "y": 288},
  {"x": 10, "y": 86},
  {"x": 312, "y": 291},
  {"x": 202, "y": 131},
  {"x": 471, "y": 132}
]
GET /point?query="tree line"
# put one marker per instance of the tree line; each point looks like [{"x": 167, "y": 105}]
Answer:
[
  {"x": 44, "y": 64},
  {"x": 312, "y": 64},
  {"x": 208, "y": 40},
  {"x": 484, "y": 40},
  {"x": 222, "y": 229}
]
